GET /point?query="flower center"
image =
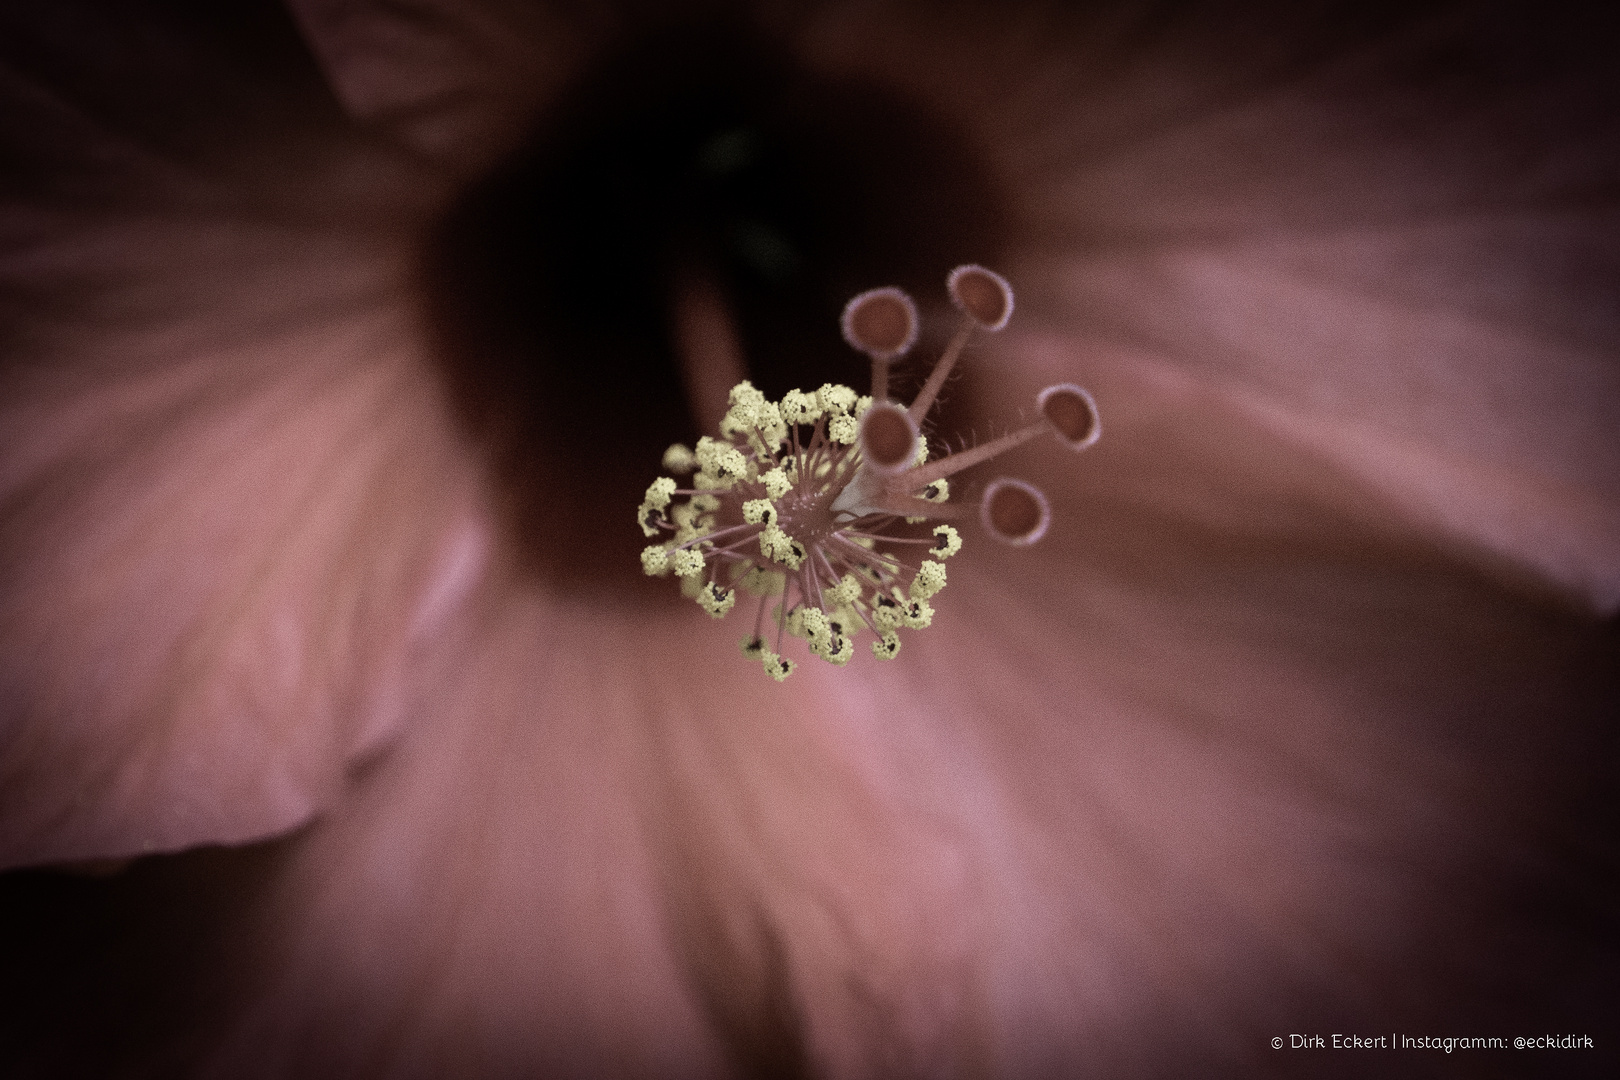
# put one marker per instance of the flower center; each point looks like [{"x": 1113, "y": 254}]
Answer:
[{"x": 807, "y": 498}]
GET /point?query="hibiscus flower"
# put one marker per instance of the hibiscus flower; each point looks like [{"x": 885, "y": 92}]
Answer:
[{"x": 342, "y": 734}]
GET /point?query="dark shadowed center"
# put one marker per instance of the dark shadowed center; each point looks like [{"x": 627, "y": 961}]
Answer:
[{"x": 699, "y": 151}]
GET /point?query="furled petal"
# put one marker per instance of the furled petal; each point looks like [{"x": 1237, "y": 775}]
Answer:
[{"x": 233, "y": 514}]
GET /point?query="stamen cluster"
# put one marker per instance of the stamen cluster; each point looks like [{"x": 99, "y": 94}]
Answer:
[{"x": 809, "y": 498}]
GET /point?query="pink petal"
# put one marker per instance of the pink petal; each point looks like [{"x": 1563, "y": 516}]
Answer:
[{"x": 234, "y": 519}]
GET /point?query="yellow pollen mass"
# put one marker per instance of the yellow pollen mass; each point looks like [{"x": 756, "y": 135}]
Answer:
[
  {"x": 717, "y": 600},
  {"x": 836, "y": 399},
  {"x": 654, "y": 560},
  {"x": 918, "y": 615},
  {"x": 846, "y": 592},
  {"x": 690, "y": 522},
  {"x": 723, "y": 464},
  {"x": 776, "y": 483},
  {"x": 800, "y": 408},
  {"x": 887, "y": 614},
  {"x": 947, "y": 542},
  {"x": 929, "y": 580},
  {"x": 777, "y": 667},
  {"x": 679, "y": 459},
  {"x": 659, "y": 492},
  {"x": 811, "y": 624},
  {"x": 686, "y": 563},
  {"x": 837, "y": 651},
  {"x": 778, "y": 546}
]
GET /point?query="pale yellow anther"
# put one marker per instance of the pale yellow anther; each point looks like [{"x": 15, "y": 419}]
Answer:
[
  {"x": 937, "y": 492},
  {"x": 723, "y": 464},
  {"x": 750, "y": 415},
  {"x": 922, "y": 451},
  {"x": 776, "y": 667},
  {"x": 843, "y": 429},
  {"x": 812, "y": 626},
  {"x": 778, "y": 546},
  {"x": 776, "y": 483},
  {"x": 846, "y": 592},
  {"x": 929, "y": 580},
  {"x": 770, "y": 539},
  {"x": 838, "y": 651},
  {"x": 800, "y": 408},
  {"x": 761, "y": 423},
  {"x": 735, "y": 423},
  {"x": 655, "y": 560},
  {"x": 947, "y": 542},
  {"x": 705, "y": 503},
  {"x": 918, "y": 614},
  {"x": 648, "y": 518},
  {"x": 887, "y": 647},
  {"x": 659, "y": 492},
  {"x": 717, "y": 481},
  {"x": 689, "y": 523},
  {"x": 744, "y": 399},
  {"x": 744, "y": 393},
  {"x": 686, "y": 562},
  {"x": 887, "y": 614},
  {"x": 758, "y": 582},
  {"x": 836, "y": 399},
  {"x": 759, "y": 512},
  {"x": 862, "y": 403},
  {"x": 716, "y": 599},
  {"x": 679, "y": 459},
  {"x": 771, "y": 426},
  {"x": 691, "y": 586},
  {"x": 730, "y": 466}
]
